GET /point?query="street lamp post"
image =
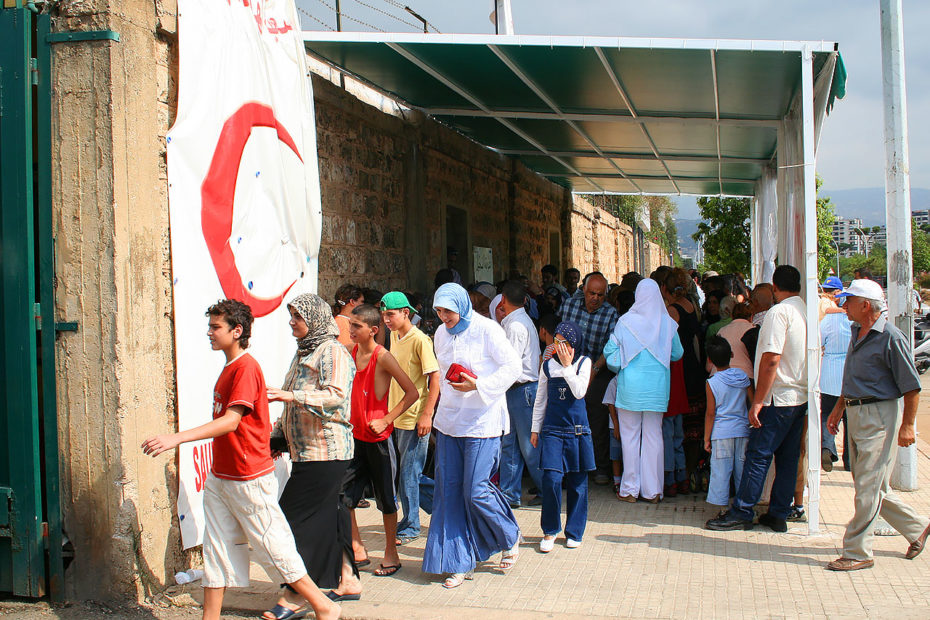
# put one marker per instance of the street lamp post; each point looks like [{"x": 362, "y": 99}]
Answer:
[{"x": 837, "y": 256}]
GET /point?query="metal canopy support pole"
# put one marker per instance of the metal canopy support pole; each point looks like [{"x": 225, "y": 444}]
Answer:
[
  {"x": 612, "y": 74},
  {"x": 516, "y": 70},
  {"x": 810, "y": 273},
  {"x": 438, "y": 75},
  {"x": 504, "y": 17},
  {"x": 604, "y": 117},
  {"x": 713, "y": 66},
  {"x": 897, "y": 204}
]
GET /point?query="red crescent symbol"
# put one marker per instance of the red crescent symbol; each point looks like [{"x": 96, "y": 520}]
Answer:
[{"x": 218, "y": 193}]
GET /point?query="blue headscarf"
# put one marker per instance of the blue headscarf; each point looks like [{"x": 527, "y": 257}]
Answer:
[
  {"x": 453, "y": 297},
  {"x": 572, "y": 335}
]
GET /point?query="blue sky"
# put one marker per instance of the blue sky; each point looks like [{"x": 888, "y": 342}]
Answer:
[{"x": 851, "y": 150}]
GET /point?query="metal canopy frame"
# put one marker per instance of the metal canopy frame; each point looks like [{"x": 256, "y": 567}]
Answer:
[
  {"x": 779, "y": 175},
  {"x": 539, "y": 129}
]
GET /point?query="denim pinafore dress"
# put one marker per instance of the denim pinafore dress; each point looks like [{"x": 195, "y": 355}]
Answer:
[{"x": 565, "y": 437}]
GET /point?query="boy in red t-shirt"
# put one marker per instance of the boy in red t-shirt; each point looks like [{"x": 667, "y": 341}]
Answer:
[
  {"x": 375, "y": 459},
  {"x": 240, "y": 495}
]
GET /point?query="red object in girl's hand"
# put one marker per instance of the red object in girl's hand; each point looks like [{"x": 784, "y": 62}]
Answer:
[{"x": 455, "y": 372}]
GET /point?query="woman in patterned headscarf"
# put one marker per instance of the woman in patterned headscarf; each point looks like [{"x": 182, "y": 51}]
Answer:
[
  {"x": 315, "y": 430},
  {"x": 560, "y": 429}
]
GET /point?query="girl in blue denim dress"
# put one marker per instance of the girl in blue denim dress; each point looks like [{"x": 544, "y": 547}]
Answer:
[{"x": 560, "y": 430}]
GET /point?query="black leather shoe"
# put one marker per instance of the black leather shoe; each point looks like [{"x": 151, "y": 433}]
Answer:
[
  {"x": 725, "y": 521},
  {"x": 773, "y": 523}
]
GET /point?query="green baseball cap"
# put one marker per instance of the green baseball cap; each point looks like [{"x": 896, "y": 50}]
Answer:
[{"x": 395, "y": 300}]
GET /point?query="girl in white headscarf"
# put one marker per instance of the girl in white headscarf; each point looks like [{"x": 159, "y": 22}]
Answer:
[{"x": 640, "y": 350}]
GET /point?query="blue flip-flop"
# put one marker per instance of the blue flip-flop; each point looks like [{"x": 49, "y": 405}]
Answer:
[
  {"x": 280, "y": 612},
  {"x": 336, "y": 598}
]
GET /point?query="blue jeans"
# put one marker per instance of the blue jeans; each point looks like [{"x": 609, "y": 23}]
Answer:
[
  {"x": 576, "y": 493},
  {"x": 673, "y": 434},
  {"x": 515, "y": 445},
  {"x": 828, "y": 439},
  {"x": 411, "y": 452},
  {"x": 779, "y": 436},
  {"x": 726, "y": 464}
]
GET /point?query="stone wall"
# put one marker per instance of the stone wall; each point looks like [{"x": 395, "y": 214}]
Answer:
[
  {"x": 601, "y": 242},
  {"x": 388, "y": 183}
]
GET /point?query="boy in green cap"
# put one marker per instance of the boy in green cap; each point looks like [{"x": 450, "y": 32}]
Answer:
[{"x": 414, "y": 352}]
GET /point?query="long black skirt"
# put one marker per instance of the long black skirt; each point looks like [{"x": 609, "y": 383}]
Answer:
[{"x": 321, "y": 525}]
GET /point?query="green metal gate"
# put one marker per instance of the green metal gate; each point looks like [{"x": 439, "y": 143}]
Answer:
[{"x": 30, "y": 513}]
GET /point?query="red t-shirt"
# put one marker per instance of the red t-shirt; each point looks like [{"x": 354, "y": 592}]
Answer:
[
  {"x": 365, "y": 407},
  {"x": 243, "y": 454}
]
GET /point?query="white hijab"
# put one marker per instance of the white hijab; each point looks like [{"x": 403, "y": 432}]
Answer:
[
  {"x": 492, "y": 307},
  {"x": 647, "y": 326}
]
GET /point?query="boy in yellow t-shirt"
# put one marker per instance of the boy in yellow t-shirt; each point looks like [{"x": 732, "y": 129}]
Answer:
[{"x": 414, "y": 352}]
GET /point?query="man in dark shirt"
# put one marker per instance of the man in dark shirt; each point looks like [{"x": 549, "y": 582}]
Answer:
[{"x": 879, "y": 370}]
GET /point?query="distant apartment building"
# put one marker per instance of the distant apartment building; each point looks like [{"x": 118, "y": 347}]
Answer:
[
  {"x": 847, "y": 235},
  {"x": 921, "y": 218}
]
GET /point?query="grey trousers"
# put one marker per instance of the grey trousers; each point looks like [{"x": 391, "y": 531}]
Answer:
[{"x": 873, "y": 442}]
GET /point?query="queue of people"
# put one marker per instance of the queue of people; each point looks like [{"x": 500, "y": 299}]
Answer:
[{"x": 663, "y": 385}]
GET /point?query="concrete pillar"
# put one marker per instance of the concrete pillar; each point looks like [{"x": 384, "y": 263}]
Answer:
[
  {"x": 113, "y": 102},
  {"x": 898, "y": 203}
]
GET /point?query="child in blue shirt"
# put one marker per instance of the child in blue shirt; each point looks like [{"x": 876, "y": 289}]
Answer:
[{"x": 726, "y": 422}]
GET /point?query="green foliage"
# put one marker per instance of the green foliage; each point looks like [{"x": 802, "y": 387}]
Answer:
[
  {"x": 876, "y": 262},
  {"x": 920, "y": 249},
  {"x": 826, "y": 251},
  {"x": 662, "y": 211},
  {"x": 725, "y": 234}
]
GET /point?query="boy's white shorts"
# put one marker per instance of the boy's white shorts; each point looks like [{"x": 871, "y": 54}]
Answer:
[{"x": 240, "y": 514}]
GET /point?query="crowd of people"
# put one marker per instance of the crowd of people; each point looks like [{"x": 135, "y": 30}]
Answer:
[{"x": 470, "y": 403}]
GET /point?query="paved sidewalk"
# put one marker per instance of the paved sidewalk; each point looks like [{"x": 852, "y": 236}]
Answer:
[{"x": 655, "y": 561}]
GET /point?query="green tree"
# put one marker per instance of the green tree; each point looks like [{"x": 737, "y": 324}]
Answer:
[
  {"x": 725, "y": 233},
  {"x": 826, "y": 251},
  {"x": 875, "y": 262},
  {"x": 920, "y": 249}
]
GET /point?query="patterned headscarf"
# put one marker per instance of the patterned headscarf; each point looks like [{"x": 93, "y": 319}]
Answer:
[
  {"x": 318, "y": 316},
  {"x": 453, "y": 297},
  {"x": 572, "y": 335}
]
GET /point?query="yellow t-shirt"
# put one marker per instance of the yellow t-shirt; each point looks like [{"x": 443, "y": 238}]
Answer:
[{"x": 414, "y": 352}]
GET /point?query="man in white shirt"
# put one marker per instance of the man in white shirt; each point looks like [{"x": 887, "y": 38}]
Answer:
[
  {"x": 778, "y": 411},
  {"x": 516, "y": 448}
]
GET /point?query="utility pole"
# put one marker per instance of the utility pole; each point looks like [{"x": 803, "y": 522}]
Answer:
[
  {"x": 503, "y": 17},
  {"x": 897, "y": 204},
  {"x": 338, "y": 17}
]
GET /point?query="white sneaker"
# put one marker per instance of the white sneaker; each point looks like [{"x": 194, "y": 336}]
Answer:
[
  {"x": 546, "y": 544},
  {"x": 572, "y": 544}
]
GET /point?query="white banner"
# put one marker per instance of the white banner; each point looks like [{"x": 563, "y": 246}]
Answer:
[{"x": 244, "y": 201}]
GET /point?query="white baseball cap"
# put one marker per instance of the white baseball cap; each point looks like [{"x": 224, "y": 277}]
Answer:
[{"x": 867, "y": 289}]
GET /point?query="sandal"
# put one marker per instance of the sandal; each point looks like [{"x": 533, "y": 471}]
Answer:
[
  {"x": 362, "y": 563},
  {"x": 386, "y": 571},
  {"x": 456, "y": 579},
  {"x": 510, "y": 556},
  {"x": 280, "y": 612}
]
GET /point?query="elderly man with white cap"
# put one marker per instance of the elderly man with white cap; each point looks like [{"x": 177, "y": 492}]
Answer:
[{"x": 879, "y": 371}]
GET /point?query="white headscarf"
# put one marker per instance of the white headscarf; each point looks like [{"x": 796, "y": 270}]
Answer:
[
  {"x": 493, "y": 307},
  {"x": 647, "y": 326}
]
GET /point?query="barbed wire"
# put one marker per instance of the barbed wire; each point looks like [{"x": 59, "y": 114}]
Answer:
[
  {"x": 391, "y": 15},
  {"x": 316, "y": 19},
  {"x": 404, "y": 7},
  {"x": 328, "y": 6}
]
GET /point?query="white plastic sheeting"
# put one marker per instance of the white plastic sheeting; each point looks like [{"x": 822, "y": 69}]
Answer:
[{"x": 784, "y": 228}]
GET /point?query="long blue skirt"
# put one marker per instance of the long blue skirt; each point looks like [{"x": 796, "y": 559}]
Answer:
[{"x": 471, "y": 520}]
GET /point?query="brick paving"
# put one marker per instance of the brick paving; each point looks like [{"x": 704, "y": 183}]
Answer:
[{"x": 657, "y": 561}]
